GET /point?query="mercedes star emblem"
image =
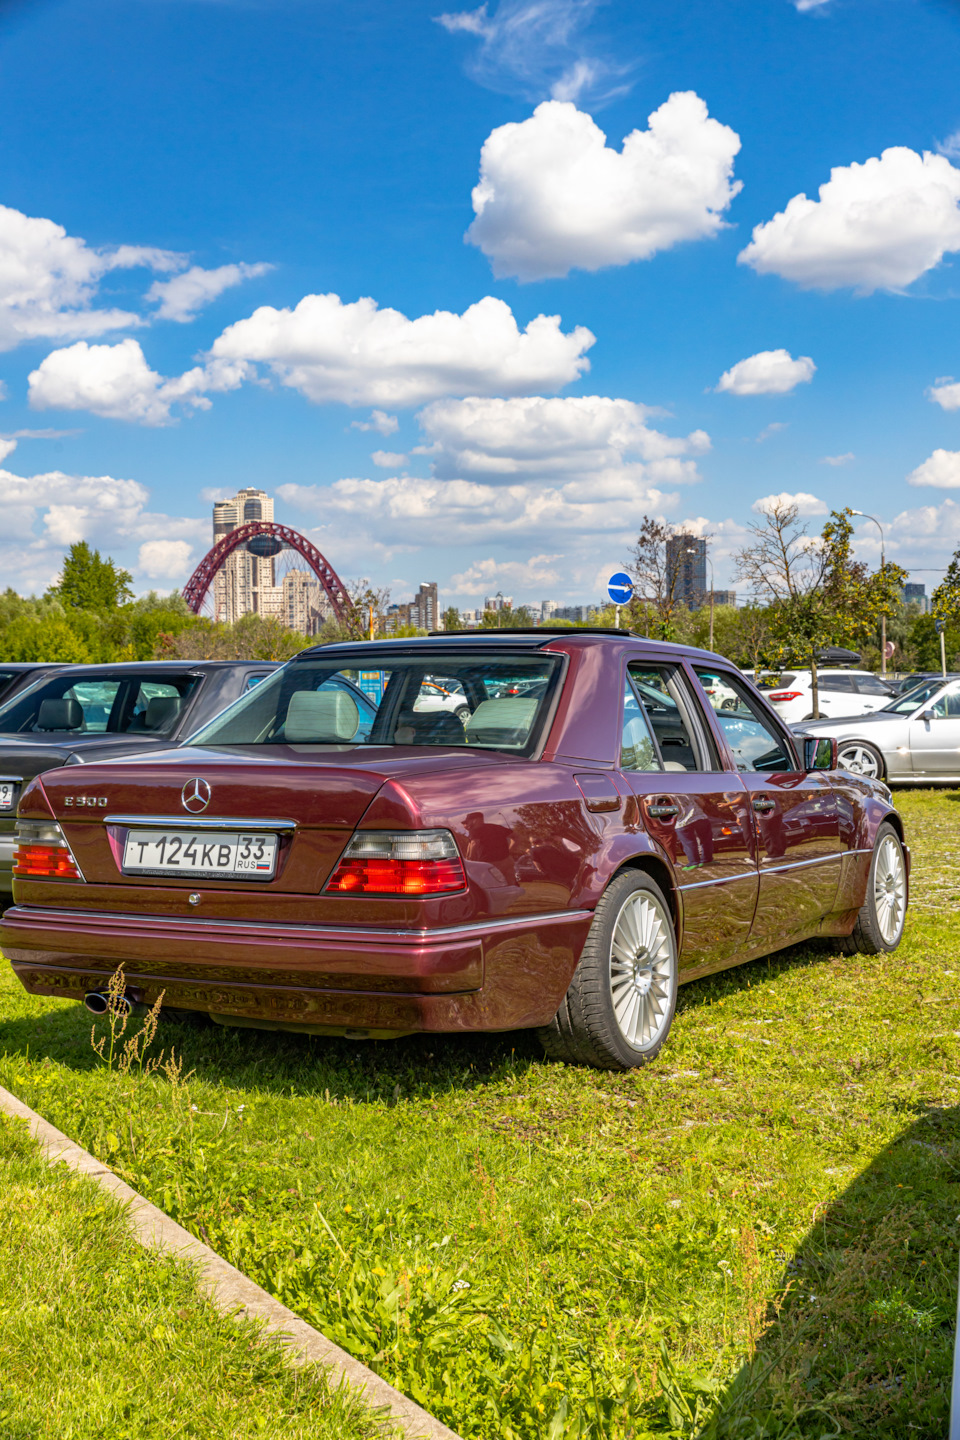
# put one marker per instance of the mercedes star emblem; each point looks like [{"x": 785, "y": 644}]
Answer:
[{"x": 195, "y": 796}]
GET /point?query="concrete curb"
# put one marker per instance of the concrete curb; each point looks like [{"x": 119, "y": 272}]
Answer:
[{"x": 229, "y": 1289}]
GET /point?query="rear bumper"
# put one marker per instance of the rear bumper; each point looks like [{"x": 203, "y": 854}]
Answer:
[{"x": 493, "y": 975}]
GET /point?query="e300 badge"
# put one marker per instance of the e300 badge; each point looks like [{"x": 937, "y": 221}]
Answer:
[{"x": 95, "y": 802}]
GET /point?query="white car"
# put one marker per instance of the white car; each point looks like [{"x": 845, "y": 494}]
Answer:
[
  {"x": 841, "y": 693},
  {"x": 442, "y": 694}
]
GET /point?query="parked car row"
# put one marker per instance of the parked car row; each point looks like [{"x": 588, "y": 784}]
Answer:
[{"x": 482, "y": 831}]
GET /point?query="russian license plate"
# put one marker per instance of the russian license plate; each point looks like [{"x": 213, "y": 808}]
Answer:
[
  {"x": 214, "y": 855},
  {"x": 6, "y": 795}
]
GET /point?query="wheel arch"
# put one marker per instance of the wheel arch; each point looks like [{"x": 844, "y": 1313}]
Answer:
[{"x": 659, "y": 871}]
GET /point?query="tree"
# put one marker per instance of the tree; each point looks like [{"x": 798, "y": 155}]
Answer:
[
  {"x": 252, "y": 637},
  {"x": 507, "y": 619},
  {"x": 451, "y": 619},
  {"x": 656, "y": 566},
  {"x": 817, "y": 594},
  {"x": 88, "y": 582},
  {"x": 945, "y": 600},
  {"x": 364, "y": 617}
]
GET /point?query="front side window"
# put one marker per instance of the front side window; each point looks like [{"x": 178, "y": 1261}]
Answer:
[
  {"x": 754, "y": 740},
  {"x": 870, "y": 685},
  {"x": 839, "y": 683},
  {"x": 947, "y": 705},
  {"x": 487, "y": 700}
]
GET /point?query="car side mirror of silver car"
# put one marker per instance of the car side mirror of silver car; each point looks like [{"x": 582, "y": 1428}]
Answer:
[
  {"x": 819, "y": 752},
  {"x": 928, "y": 715}
]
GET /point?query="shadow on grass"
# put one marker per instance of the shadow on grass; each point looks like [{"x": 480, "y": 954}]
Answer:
[
  {"x": 280, "y": 1062},
  {"x": 859, "y": 1338}
]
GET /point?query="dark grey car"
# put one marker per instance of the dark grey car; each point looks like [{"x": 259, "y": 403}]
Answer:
[{"x": 79, "y": 713}]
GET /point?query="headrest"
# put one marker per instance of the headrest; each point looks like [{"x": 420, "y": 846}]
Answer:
[
  {"x": 511, "y": 717},
  {"x": 60, "y": 715},
  {"x": 160, "y": 711},
  {"x": 321, "y": 717}
]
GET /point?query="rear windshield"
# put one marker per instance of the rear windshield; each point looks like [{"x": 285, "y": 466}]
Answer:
[
  {"x": 99, "y": 705},
  {"x": 489, "y": 701}
]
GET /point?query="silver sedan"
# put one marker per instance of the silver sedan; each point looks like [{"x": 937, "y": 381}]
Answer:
[{"x": 914, "y": 739}]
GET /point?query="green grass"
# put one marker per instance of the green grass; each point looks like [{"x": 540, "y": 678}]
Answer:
[
  {"x": 761, "y": 1228},
  {"x": 99, "y": 1337}
]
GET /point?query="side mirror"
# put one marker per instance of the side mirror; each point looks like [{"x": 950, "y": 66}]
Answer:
[
  {"x": 928, "y": 715},
  {"x": 819, "y": 752}
]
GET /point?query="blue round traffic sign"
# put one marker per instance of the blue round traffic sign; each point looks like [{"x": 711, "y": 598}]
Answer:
[{"x": 620, "y": 588}]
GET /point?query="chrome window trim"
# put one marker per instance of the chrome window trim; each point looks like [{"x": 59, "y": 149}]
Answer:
[
  {"x": 419, "y": 934},
  {"x": 191, "y": 822}
]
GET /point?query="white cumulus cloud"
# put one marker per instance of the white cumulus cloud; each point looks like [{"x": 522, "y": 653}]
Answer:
[
  {"x": 876, "y": 226},
  {"x": 835, "y": 460},
  {"x": 941, "y": 469},
  {"x": 553, "y": 196},
  {"x": 115, "y": 381},
  {"x": 358, "y": 354},
  {"x": 538, "y": 48},
  {"x": 380, "y": 421},
  {"x": 185, "y": 295},
  {"x": 806, "y": 503},
  {"x": 590, "y": 438},
  {"x": 165, "y": 559},
  {"x": 945, "y": 393},
  {"x": 769, "y": 372},
  {"x": 388, "y": 459},
  {"x": 486, "y": 577},
  {"x": 49, "y": 280}
]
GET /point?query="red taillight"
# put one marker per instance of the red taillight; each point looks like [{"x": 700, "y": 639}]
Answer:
[
  {"x": 403, "y": 862},
  {"x": 785, "y": 695},
  {"x": 41, "y": 852}
]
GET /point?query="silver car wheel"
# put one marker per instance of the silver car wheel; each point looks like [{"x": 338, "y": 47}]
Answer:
[
  {"x": 859, "y": 760},
  {"x": 889, "y": 889},
  {"x": 642, "y": 962}
]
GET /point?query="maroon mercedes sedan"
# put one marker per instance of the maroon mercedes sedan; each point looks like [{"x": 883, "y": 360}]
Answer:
[{"x": 483, "y": 831}]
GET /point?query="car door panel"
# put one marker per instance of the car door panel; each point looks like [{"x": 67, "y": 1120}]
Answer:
[
  {"x": 796, "y": 823},
  {"x": 699, "y": 819}
]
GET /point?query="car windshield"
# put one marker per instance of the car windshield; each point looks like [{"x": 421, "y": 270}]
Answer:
[
  {"x": 490, "y": 701},
  {"x": 75, "y": 704},
  {"x": 912, "y": 699}
]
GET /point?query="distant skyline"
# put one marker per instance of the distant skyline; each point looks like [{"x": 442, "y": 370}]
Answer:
[{"x": 471, "y": 291}]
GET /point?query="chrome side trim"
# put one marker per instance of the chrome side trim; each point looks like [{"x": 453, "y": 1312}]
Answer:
[
  {"x": 347, "y": 932},
  {"x": 723, "y": 880},
  {"x": 774, "y": 869},
  {"x": 188, "y": 822}
]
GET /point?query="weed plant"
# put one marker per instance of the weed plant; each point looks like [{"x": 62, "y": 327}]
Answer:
[{"x": 757, "y": 1236}]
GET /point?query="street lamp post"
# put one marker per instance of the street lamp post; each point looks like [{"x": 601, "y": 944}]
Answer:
[
  {"x": 883, "y": 613},
  {"x": 712, "y": 588}
]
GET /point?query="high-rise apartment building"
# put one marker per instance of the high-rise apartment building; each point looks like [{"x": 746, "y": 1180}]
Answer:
[
  {"x": 240, "y": 586},
  {"x": 687, "y": 567}
]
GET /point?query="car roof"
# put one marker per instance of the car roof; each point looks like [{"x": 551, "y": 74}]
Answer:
[{"x": 445, "y": 641}]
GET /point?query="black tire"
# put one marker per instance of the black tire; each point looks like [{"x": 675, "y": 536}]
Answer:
[
  {"x": 854, "y": 749},
  {"x": 595, "y": 1027},
  {"x": 463, "y": 714},
  {"x": 878, "y": 930}
]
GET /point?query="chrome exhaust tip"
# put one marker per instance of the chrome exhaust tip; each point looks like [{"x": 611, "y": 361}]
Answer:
[{"x": 98, "y": 1003}]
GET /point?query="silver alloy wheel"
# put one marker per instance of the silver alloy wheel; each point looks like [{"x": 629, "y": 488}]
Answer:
[
  {"x": 642, "y": 962},
  {"x": 859, "y": 760},
  {"x": 889, "y": 889}
]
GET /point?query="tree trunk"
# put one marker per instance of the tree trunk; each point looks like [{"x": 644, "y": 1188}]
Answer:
[{"x": 815, "y": 687}]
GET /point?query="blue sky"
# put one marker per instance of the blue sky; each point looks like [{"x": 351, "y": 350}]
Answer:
[{"x": 177, "y": 177}]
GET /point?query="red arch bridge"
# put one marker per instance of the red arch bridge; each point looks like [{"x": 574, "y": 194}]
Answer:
[{"x": 267, "y": 541}]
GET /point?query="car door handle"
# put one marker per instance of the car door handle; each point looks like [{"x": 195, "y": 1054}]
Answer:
[
  {"x": 662, "y": 808},
  {"x": 762, "y": 802}
]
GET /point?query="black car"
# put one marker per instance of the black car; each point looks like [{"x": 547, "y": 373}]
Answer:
[{"x": 80, "y": 713}]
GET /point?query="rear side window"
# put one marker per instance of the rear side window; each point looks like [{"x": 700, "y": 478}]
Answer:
[
  {"x": 838, "y": 683},
  {"x": 668, "y": 709}
]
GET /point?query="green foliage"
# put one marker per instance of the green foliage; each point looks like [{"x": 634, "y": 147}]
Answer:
[
  {"x": 451, "y": 618},
  {"x": 507, "y": 619},
  {"x": 754, "y": 1237},
  {"x": 87, "y": 582},
  {"x": 252, "y": 637}
]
